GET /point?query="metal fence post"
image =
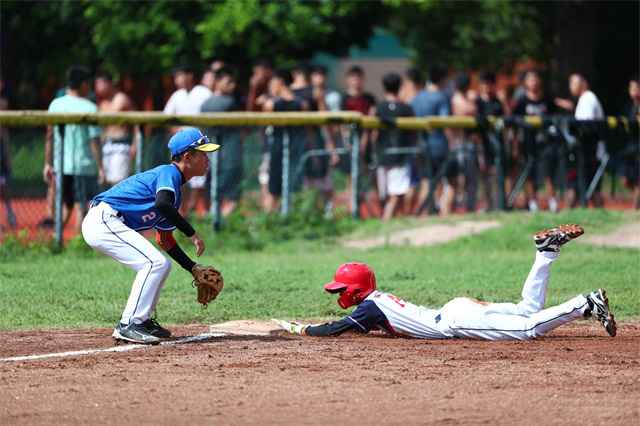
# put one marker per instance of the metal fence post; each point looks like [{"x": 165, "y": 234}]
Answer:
[
  {"x": 580, "y": 174},
  {"x": 215, "y": 190},
  {"x": 354, "y": 136},
  {"x": 58, "y": 153},
  {"x": 139, "y": 144},
  {"x": 496, "y": 136},
  {"x": 286, "y": 196}
]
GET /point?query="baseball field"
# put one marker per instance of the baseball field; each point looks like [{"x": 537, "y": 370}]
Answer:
[{"x": 58, "y": 363}]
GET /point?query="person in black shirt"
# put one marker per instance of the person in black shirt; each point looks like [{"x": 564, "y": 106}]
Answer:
[
  {"x": 316, "y": 168},
  {"x": 535, "y": 144},
  {"x": 356, "y": 99},
  {"x": 281, "y": 98},
  {"x": 488, "y": 104},
  {"x": 230, "y": 159},
  {"x": 394, "y": 174},
  {"x": 632, "y": 151}
]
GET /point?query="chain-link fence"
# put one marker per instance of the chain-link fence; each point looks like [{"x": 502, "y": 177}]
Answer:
[{"x": 368, "y": 167}]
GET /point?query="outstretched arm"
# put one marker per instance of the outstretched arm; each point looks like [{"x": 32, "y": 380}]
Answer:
[{"x": 366, "y": 317}]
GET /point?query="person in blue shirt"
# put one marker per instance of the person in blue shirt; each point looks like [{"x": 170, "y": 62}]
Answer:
[
  {"x": 148, "y": 200},
  {"x": 433, "y": 101}
]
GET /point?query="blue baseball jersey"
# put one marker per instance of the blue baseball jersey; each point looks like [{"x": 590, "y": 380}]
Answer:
[{"x": 135, "y": 197}]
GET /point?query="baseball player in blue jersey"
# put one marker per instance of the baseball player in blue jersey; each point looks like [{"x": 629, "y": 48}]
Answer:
[
  {"x": 148, "y": 200},
  {"x": 462, "y": 317}
]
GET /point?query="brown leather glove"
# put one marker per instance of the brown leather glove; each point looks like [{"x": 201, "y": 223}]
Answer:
[{"x": 209, "y": 282}]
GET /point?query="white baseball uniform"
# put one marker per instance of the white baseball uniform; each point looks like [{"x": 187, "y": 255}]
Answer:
[
  {"x": 465, "y": 317},
  {"x": 111, "y": 226}
]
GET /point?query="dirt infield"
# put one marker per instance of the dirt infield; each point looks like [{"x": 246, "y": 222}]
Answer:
[
  {"x": 627, "y": 235},
  {"x": 576, "y": 375},
  {"x": 426, "y": 235}
]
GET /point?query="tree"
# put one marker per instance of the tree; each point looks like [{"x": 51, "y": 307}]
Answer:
[
  {"x": 152, "y": 37},
  {"x": 466, "y": 34}
]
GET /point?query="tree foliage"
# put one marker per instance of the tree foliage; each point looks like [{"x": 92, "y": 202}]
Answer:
[
  {"x": 152, "y": 36},
  {"x": 466, "y": 33},
  {"x": 40, "y": 39}
]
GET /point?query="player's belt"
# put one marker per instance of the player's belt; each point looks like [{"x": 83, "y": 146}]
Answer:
[{"x": 93, "y": 204}]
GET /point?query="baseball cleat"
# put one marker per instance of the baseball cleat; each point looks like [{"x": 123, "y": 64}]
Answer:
[
  {"x": 156, "y": 329},
  {"x": 135, "y": 333},
  {"x": 551, "y": 239},
  {"x": 599, "y": 310}
]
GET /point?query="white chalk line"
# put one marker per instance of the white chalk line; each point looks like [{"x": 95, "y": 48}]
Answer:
[{"x": 123, "y": 348}]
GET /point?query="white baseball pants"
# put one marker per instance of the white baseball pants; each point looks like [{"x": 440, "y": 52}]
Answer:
[
  {"x": 105, "y": 231},
  {"x": 508, "y": 321}
]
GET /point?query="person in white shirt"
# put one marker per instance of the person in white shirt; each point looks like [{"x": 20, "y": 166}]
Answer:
[
  {"x": 188, "y": 99},
  {"x": 587, "y": 108}
]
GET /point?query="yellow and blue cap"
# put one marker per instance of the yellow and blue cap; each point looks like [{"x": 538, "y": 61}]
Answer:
[{"x": 190, "y": 138}]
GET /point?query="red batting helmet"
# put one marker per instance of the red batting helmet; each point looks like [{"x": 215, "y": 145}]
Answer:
[{"x": 354, "y": 281}]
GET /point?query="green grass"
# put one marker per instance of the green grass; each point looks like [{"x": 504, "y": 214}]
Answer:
[{"x": 284, "y": 278}]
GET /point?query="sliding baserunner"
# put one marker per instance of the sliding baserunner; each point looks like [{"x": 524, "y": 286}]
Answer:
[{"x": 462, "y": 317}]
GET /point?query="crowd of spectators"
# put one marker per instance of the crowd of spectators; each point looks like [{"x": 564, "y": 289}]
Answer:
[{"x": 400, "y": 169}]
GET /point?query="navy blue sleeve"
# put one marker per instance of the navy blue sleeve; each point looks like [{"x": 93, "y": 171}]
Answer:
[{"x": 366, "y": 317}]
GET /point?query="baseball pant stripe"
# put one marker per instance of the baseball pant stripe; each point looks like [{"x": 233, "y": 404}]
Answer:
[
  {"x": 580, "y": 308},
  {"x": 139, "y": 251}
]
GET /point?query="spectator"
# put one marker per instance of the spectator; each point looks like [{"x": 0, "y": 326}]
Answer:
[
  {"x": 258, "y": 89},
  {"x": 488, "y": 104},
  {"x": 281, "y": 98},
  {"x": 432, "y": 101},
  {"x": 461, "y": 141},
  {"x": 301, "y": 87},
  {"x": 118, "y": 149},
  {"x": 332, "y": 99},
  {"x": 318, "y": 170},
  {"x": 230, "y": 156},
  {"x": 593, "y": 149},
  {"x": 48, "y": 177},
  {"x": 5, "y": 164},
  {"x": 632, "y": 151},
  {"x": 535, "y": 146},
  {"x": 188, "y": 99},
  {"x": 394, "y": 174},
  {"x": 82, "y": 155},
  {"x": 216, "y": 64},
  {"x": 356, "y": 99},
  {"x": 412, "y": 84},
  {"x": 208, "y": 79},
  {"x": 259, "y": 83}
]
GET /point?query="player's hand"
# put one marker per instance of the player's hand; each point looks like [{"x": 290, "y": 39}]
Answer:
[
  {"x": 335, "y": 159},
  {"x": 290, "y": 327},
  {"x": 47, "y": 173},
  {"x": 198, "y": 243}
]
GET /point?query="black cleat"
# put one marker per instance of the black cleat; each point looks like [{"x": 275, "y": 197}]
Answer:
[
  {"x": 156, "y": 329},
  {"x": 599, "y": 309},
  {"x": 135, "y": 333}
]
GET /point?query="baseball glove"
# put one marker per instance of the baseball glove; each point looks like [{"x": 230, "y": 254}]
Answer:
[{"x": 209, "y": 282}]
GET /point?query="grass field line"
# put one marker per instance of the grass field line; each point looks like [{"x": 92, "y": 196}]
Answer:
[{"x": 120, "y": 348}]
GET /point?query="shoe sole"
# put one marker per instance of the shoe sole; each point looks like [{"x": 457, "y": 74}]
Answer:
[
  {"x": 116, "y": 335},
  {"x": 611, "y": 326},
  {"x": 573, "y": 231}
]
